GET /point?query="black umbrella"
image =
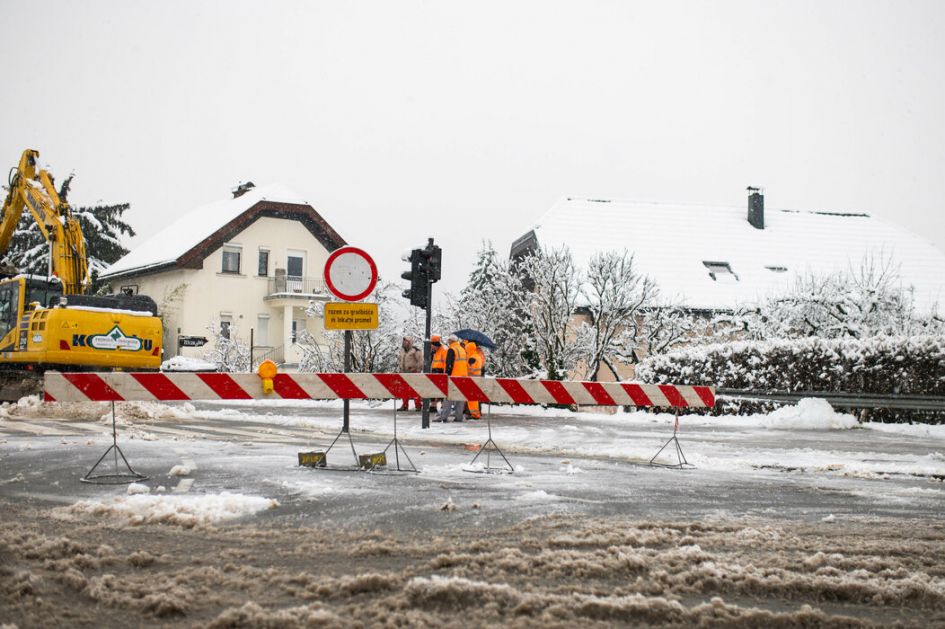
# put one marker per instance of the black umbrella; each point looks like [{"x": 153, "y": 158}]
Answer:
[{"x": 476, "y": 337}]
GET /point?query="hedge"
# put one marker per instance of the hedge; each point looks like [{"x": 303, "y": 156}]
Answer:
[{"x": 881, "y": 365}]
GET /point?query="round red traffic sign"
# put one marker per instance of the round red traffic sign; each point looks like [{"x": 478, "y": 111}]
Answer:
[{"x": 350, "y": 273}]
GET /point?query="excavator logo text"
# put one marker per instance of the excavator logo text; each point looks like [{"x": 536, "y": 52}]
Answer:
[{"x": 114, "y": 339}]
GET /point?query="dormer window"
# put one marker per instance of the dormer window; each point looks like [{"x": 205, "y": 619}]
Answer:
[{"x": 720, "y": 271}]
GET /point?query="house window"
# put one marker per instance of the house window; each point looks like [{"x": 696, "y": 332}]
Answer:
[
  {"x": 231, "y": 259},
  {"x": 298, "y": 326},
  {"x": 263, "y": 263},
  {"x": 295, "y": 270},
  {"x": 226, "y": 324},
  {"x": 720, "y": 271},
  {"x": 129, "y": 289},
  {"x": 777, "y": 269},
  {"x": 262, "y": 330}
]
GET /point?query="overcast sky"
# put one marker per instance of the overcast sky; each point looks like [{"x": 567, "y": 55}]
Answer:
[{"x": 467, "y": 121}]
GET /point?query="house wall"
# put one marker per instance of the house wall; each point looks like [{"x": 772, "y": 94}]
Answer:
[{"x": 204, "y": 295}]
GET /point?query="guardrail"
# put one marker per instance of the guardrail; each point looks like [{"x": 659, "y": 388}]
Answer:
[{"x": 841, "y": 399}]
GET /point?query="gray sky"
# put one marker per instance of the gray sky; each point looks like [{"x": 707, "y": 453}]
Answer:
[{"x": 403, "y": 120}]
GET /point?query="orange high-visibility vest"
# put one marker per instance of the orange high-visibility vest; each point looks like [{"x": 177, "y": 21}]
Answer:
[
  {"x": 438, "y": 362},
  {"x": 475, "y": 357},
  {"x": 460, "y": 364}
]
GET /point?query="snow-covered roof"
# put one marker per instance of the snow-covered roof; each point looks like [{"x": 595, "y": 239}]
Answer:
[
  {"x": 192, "y": 228},
  {"x": 672, "y": 242}
]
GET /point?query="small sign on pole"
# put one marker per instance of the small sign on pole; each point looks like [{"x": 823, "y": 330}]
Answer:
[{"x": 347, "y": 316}]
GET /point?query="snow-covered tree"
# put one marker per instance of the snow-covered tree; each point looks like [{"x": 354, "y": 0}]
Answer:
[
  {"x": 554, "y": 284},
  {"x": 102, "y": 225},
  {"x": 863, "y": 302},
  {"x": 228, "y": 351},
  {"x": 616, "y": 296},
  {"x": 372, "y": 351},
  {"x": 494, "y": 302}
]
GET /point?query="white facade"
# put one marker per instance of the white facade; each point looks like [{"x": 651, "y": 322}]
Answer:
[{"x": 260, "y": 279}]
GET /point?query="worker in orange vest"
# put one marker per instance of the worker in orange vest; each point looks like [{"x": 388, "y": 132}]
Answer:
[
  {"x": 437, "y": 361},
  {"x": 476, "y": 362},
  {"x": 456, "y": 365}
]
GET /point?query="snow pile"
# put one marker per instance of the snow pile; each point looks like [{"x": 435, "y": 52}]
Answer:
[
  {"x": 180, "y": 470},
  {"x": 33, "y": 407},
  {"x": 186, "y": 511},
  {"x": 809, "y": 414},
  {"x": 186, "y": 363},
  {"x": 137, "y": 488}
]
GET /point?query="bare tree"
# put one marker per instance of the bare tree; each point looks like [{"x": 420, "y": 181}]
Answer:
[
  {"x": 555, "y": 283},
  {"x": 617, "y": 297},
  {"x": 228, "y": 352},
  {"x": 372, "y": 351},
  {"x": 864, "y": 301}
]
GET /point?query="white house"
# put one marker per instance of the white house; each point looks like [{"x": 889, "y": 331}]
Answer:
[
  {"x": 250, "y": 262},
  {"x": 720, "y": 257}
]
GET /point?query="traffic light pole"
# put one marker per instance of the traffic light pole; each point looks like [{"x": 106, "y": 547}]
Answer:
[{"x": 427, "y": 358}]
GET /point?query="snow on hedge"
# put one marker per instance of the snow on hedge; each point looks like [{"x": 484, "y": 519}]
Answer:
[{"x": 879, "y": 365}]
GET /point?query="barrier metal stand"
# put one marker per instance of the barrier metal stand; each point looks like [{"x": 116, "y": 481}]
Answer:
[
  {"x": 398, "y": 449},
  {"x": 488, "y": 447},
  {"x": 118, "y": 477},
  {"x": 681, "y": 463},
  {"x": 343, "y": 431},
  {"x": 346, "y": 415}
]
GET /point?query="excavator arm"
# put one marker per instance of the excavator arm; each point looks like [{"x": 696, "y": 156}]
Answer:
[{"x": 35, "y": 191}]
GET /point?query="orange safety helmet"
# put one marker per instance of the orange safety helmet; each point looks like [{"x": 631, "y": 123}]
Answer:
[{"x": 435, "y": 338}]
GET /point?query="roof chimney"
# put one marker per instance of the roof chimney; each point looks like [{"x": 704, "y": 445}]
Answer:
[
  {"x": 756, "y": 207},
  {"x": 242, "y": 189}
]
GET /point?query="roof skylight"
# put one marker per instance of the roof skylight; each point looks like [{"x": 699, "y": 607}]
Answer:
[{"x": 720, "y": 271}]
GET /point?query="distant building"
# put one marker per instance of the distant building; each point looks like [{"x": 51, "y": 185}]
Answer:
[
  {"x": 250, "y": 262},
  {"x": 719, "y": 257}
]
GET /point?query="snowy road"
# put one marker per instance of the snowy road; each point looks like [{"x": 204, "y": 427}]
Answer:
[
  {"x": 798, "y": 519},
  {"x": 566, "y": 463}
]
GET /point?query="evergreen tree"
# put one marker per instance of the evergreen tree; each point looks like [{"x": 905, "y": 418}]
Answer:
[{"x": 102, "y": 225}]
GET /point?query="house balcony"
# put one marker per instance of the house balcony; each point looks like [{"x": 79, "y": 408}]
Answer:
[{"x": 287, "y": 287}]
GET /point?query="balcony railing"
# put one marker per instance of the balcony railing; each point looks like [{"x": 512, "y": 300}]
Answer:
[{"x": 296, "y": 286}]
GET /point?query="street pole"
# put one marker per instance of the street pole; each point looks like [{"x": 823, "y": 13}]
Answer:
[
  {"x": 427, "y": 358},
  {"x": 344, "y": 427}
]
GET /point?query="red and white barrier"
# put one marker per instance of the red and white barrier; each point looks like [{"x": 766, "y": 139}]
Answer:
[{"x": 165, "y": 387}]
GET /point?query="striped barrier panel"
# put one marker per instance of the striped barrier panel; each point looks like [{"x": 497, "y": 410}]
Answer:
[{"x": 166, "y": 387}]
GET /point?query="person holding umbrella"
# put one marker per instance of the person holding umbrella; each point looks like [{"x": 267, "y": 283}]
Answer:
[{"x": 476, "y": 363}]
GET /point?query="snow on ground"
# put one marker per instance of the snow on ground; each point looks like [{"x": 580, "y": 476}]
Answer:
[
  {"x": 186, "y": 363},
  {"x": 186, "y": 511},
  {"x": 807, "y": 438},
  {"x": 809, "y": 414},
  {"x": 32, "y": 407},
  {"x": 726, "y": 443}
]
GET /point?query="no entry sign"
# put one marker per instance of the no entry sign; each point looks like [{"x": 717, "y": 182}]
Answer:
[{"x": 350, "y": 273}]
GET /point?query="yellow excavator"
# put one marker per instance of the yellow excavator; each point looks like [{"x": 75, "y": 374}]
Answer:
[{"x": 49, "y": 322}]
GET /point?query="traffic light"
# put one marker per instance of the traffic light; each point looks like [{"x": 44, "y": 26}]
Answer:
[
  {"x": 425, "y": 265},
  {"x": 434, "y": 258},
  {"x": 417, "y": 276}
]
